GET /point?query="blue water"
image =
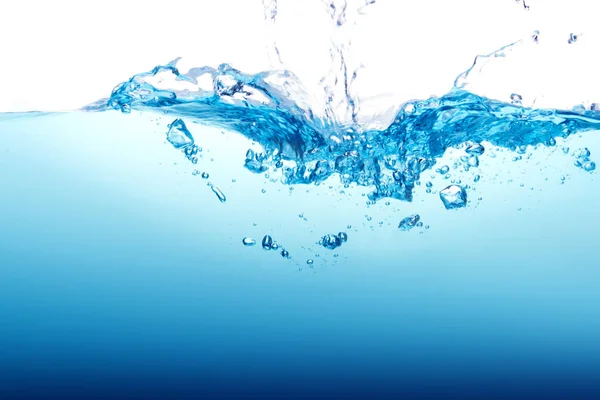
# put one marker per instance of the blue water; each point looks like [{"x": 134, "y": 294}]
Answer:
[{"x": 135, "y": 262}]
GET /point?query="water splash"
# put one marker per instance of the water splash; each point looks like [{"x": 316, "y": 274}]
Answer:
[{"x": 303, "y": 146}]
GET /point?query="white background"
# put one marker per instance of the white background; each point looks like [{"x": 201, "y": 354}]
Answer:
[{"x": 62, "y": 54}]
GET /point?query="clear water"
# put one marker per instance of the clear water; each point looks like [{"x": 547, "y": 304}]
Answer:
[{"x": 214, "y": 233}]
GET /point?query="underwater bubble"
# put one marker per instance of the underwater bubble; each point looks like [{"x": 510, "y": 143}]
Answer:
[
  {"x": 219, "y": 193},
  {"x": 267, "y": 242},
  {"x": 409, "y": 222},
  {"x": 205, "y": 175},
  {"x": 343, "y": 236},
  {"x": 551, "y": 142},
  {"x": 476, "y": 178},
  {"x": 419, "y": 224},
  {"x": 589, "y": 166},
  {"x": 179, "y": 135},
  {"x": 473, "y": 161},
  {"x": 195, "y": 172},
  {"x": 453, "y": 196},
  {"x": 275, "y": 246},
  {"x": 310, "y": 261},
  {"x": 248, "y": 241},
  {"x": 331, "y": 241},
  {"x": 443, "y": 170},
  {"x": 285, "y": 253},
  {"x": 475, "y": 149},
  {"x": 583, "y": 153}
]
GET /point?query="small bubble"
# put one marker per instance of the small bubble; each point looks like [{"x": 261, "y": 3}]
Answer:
[
  {"x": 310, "y": 262},
  {"x": 248, "y": 241},
  {"x": 220, "y": 195},
  {"x": 475, "y": 149},
  {"x": 589, "y": 166},
  {"x": 267, "y": 242},
  {"x": 443, "y": 170},
  {"x": 285, "y": 253},
  {"x": 343, "y": 236},
  {"x": 476, "y": 178},
  {"x": 205, "y": 175},
  {"x": 263, "y": 191}
]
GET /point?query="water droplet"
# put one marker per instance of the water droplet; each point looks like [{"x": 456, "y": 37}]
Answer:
[
  {"x": 475, "y": 149},
  {"x": 285, "y": 253},
  {"x": 516, "y": 99},
  {"x": 219, "y": 193},
  {"x": 205, "y": 175},
  {"x": 179, "y": 135},
  {"x": 310, "y": 261},
  {"x": 267, "y": 242},
  {"x": 453, "y": 197},
  {"x": 573, "y": 38},
  {"x": 429, "y": 184},
  {"x": 263, "y": 191},
  {"x": 343, "y": 236},
  {"x": 409, "y": 222},
  {"x": 476, "y": 178},
  {"x": 248, "y": 241}
]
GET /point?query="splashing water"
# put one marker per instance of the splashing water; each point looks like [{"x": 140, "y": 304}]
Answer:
[{"x": 307, "y": 146}]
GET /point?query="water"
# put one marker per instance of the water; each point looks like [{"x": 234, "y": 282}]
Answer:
[{"x": 122, "y": 262}]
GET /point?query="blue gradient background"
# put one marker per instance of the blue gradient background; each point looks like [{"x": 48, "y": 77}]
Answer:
[{"x": 123, "y": 276}]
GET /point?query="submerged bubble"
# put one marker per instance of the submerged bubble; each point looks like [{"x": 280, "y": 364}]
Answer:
[
  {"x": 453, "y": 196},
  {"x": 179, "y": 135},
  {"x": 475, "y": 149},
  {"x": 343, "y": 236},
  {"x": 409, "y": 222},
  {"x": 285, "y": 253},
  {"x": 473, "y": 161},
  {"x": 310, "y": 261},
  {"x": 331, "y": 241},
  {"x": 248, "y": 241},
  {"x": 205, "y": 175},
  {"x": 267, "y": 242},
  {"x": 589, "y": 166},
  {"x": 443, "y": 170},
  {"x": 220, "y": 195}
]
